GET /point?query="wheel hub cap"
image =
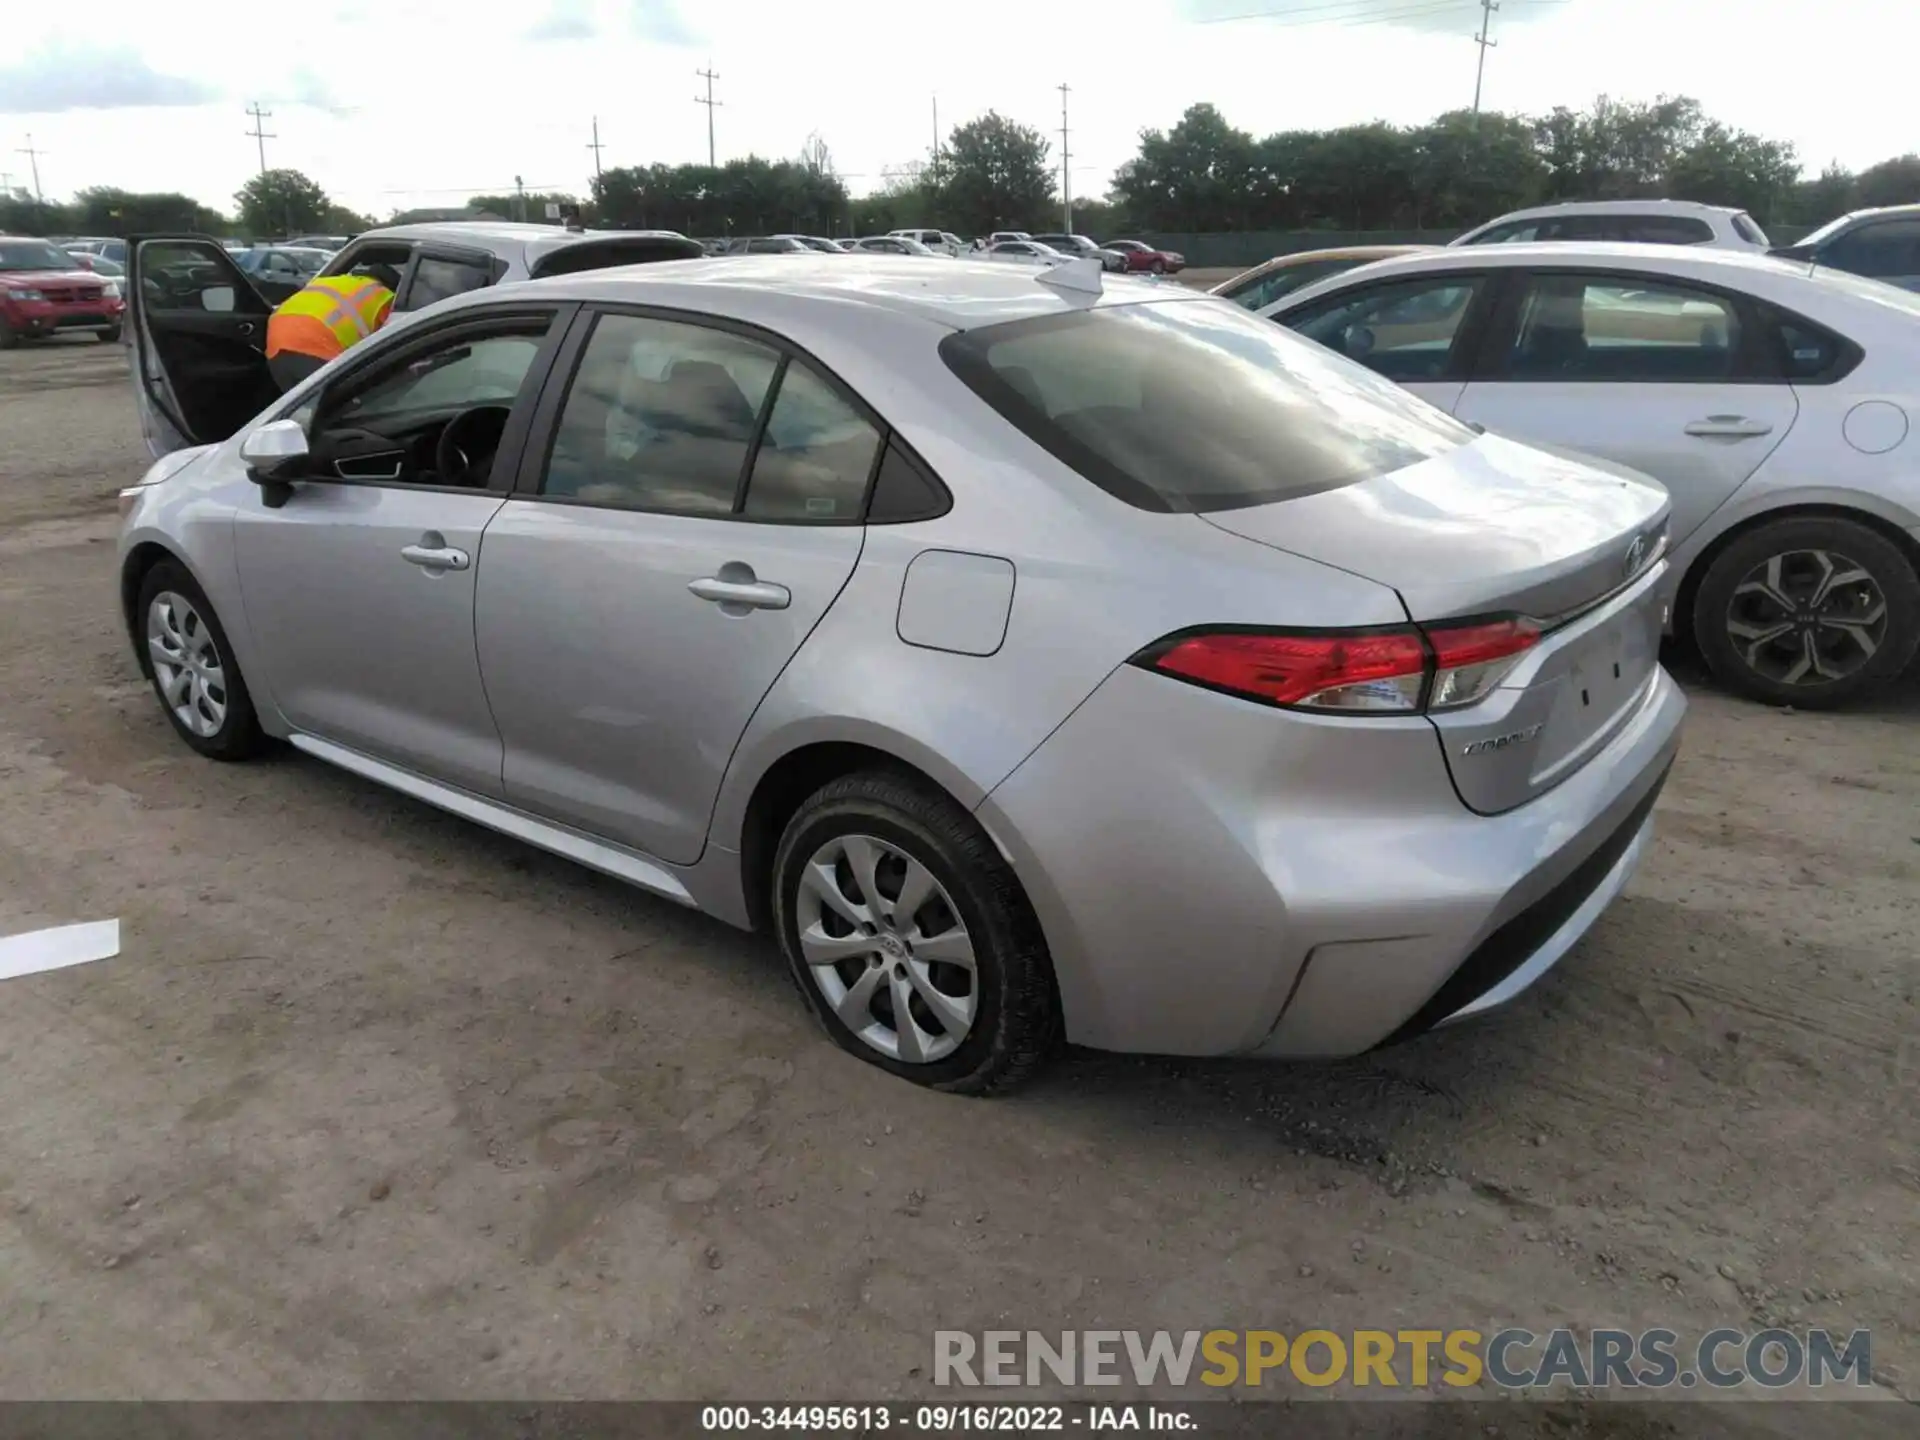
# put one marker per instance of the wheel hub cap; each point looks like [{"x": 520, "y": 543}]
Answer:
[
  {"x": 1807, "y": 617},
  {"x": 187, "y": 666},
  {"x": 884, "y": 945}
]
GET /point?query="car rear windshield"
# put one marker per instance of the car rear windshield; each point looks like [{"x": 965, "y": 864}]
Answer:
[
  {"x": 1749, "y": 229},
  {"x": 1192, "y": 406},
  {"x": 624, "y": 250}
]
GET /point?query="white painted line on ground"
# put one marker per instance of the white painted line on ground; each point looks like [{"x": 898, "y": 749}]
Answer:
[{"x": 57, "y": 948}]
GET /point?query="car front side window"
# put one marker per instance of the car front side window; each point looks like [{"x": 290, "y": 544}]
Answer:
[{"x": 1404, "y": 331}]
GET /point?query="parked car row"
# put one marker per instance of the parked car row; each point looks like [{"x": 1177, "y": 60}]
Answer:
[{"x": 1002, "y": 245}]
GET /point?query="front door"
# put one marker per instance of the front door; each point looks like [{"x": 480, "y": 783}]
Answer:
[
  {"x": 645, "y": 587},
  {"x": 199, "y": 342},
  {"x": 1648, "y": 372},
  {"x": 359, "y": 587}
]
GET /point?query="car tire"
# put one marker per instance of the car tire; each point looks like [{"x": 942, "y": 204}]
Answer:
[
  {"x": 1779, "y": 617},
  {"x": 1157, "y": 266},
  {"x": 108, "y": 337},
  {"x": 9, "y": 337},
  {"x": 212, "y": 712},
  {"x": 855, "y": 958}
]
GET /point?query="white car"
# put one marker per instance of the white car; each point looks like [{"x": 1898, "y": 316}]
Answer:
[
  {"x": 1777, "y": 404},
  {"x": 1025, "y": 252},
  {"x": 938, "y": 241},
  {"x": 1637, "y": 222},
  {"x": 890, "y": 245}
]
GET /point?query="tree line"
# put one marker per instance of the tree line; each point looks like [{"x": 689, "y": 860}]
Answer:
[{"x": 1202, "y": 175}]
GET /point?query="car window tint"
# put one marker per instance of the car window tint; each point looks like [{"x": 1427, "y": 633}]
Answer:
[
  {"x": 1748, "y": 229},
  {"x": 1183, "y": 406},
  {"x": 1665, "y": 230},
  {"x": 1612, "y": 328},
  {"x": 1403, "y": 331},
  {"x": 451, "y": 377},
  {"x": 659, "y": 417},
  {"x": 1804, "y": 351},
  {"x": 441, "y": 279},
  {"x": 815, "y": 456},
  {"x": 1284, "y": 281},
  {"x": 189, "y": 275},
  {"x": 1888, "y": 250}
]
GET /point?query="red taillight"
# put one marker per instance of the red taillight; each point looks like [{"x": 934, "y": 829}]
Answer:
[
  {"x": 1382, "y": 672},
  {"x": 1469, "y": 660},
  {"x": 1378, "y": 671}
]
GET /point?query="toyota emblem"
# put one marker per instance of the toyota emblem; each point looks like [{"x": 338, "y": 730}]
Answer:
[{"x": 1636, "y": 553}]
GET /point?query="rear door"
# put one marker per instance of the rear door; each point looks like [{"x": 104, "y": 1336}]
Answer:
[
  {"x": 198, "y": 342},
  {"x": 439, "y": 272},
  {"x": 1674, "y": 379},
  {"x": 1420, "y": 332},
  {"x": 690, "y": 507}
]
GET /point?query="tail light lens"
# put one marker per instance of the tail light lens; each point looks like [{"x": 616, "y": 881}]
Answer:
[
  {"x": 1469, "y": 660},
  {"x": 1400, "y": 671}
]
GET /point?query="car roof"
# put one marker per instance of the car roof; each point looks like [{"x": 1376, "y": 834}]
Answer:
[
  {"x": 960, "y": 295},
  {"x": 1334, "y": 252},
  {"x": 508, "y": 239},
  {"x": 1651, "y": 205}
]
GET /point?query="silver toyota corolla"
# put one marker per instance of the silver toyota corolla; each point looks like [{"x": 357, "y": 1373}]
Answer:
[{"x": 1035, "y": 656}]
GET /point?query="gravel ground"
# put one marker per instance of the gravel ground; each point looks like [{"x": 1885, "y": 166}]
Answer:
[{"x": 376, "y": 1104}]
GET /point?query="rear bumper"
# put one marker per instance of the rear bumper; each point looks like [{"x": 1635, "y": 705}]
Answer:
[{"x": 1286, "y": 886}]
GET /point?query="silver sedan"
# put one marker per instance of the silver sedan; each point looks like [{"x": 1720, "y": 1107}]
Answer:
[{"x": 1035, "y": 657}]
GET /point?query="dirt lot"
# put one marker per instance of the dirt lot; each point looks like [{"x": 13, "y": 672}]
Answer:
[{"x": 374, "y": 1103}]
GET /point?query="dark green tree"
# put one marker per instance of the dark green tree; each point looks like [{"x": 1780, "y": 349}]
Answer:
[
  {"x": 1467, "y": 168},
  {"x": 995, "y": 176},
  {"x": 280, "y": 202},
  {"x": 1197, "y": 176},
  {"x": 106, "y": 210},
  {"x": 1732, "y": 167},
  {"x": 1891, "y": 182}
]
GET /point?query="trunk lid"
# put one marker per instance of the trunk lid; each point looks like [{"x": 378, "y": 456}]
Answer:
[
  {"x": 1502, "y": 528},
  {"x": 1491, "y": 526}
]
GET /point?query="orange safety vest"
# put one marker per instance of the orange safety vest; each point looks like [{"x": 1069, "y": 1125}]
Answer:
[{"x": 332, "y": 314}]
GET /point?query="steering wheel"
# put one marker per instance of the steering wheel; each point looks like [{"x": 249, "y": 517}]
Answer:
[{"x": 465, "y": 450}]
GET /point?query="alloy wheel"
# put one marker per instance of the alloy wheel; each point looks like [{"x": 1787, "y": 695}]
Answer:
[
  {"x": 1807, "y": 617},
  {"x": 187, "y": 664},
  {"x": 886, "y": 947}
]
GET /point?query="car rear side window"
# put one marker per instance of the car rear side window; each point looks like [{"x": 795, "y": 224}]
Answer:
[
  {"x": 660, "y": 416},
  {"x": 1664, "y": 230},
  {"x": 815, "y": 456},
  {"x": 1190, "y": 406},
  {"x": 439, "y": 277},
  {"x": 1748, "y": 229},
  {"x": 1404, "y": 331},
  {"x": 1619, "y": 327}
]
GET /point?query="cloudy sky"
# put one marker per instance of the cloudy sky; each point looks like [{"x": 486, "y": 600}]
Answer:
[{"x": 423, "y": 102}]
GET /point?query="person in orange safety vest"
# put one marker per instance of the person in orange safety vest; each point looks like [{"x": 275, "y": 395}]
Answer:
[{"x": 330, "y": 316}]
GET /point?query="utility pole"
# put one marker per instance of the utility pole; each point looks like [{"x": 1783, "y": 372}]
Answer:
[
  {"x": 595, "y": 147},
  {"x": 1485, "y": 41},
  {"x": 519, "y": 199},
  {"x": 33, "y": 157},
  {"x": 936, "y": 141},
  {"x": 260, "y": 133},
  {"x": 1066, "y": 159},
  {"x": 709, "y": 102}
]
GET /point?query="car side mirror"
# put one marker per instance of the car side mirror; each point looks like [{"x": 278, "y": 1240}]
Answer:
[{"x": 275, "y": 455}]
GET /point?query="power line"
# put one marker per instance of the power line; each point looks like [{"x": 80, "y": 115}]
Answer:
[
  {"x": 595, "y": 147},
  {"x": 709, "y": 102},
  {"x": 1066, "y": 168},
  {"x": 260, "y": 133},
  {"x": 1486, "y": 43},
  {"x": 33, "y": 157},
  {"x": 1347, "y": 13}
]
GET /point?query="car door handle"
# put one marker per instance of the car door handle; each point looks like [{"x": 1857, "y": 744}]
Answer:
[
  {"x": 1729, "y": 427},
  {"x": 754, "y": 594},
  {"x": 435, "y": 557}
]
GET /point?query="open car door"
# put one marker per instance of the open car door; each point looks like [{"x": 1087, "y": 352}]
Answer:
[{"x": 198, "y": 337}]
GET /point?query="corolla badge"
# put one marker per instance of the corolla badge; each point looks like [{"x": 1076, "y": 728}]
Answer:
[
  {"x": 1502, "y": 742},
  {"x": 1636, "y": 556}
]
